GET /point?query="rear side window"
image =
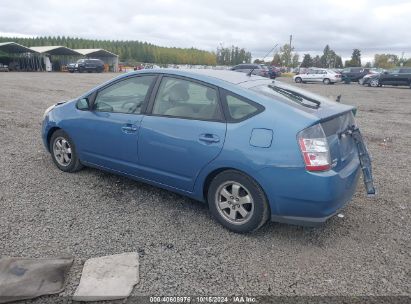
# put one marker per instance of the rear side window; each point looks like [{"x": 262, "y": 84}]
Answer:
[
  {"x": 186, "y": 99},
  {"x": 239, "y": 108}
]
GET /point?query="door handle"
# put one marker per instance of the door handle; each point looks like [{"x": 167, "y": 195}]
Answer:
[
  {"x": 129, "y": 128},
  {"x": 209, "y": 138}
]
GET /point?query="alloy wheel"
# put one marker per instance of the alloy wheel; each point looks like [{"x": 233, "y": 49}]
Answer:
[
  {"x": 62, "y": 151},
  {"x": 234, "y": 202},
  {"x": 374, "y": 83}
]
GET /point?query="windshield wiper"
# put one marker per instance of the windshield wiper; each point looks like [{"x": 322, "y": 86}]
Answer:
[{"x": 296, "y": 97}]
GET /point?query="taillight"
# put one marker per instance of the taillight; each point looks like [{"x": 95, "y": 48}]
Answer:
[{"x": 314, "y": 147}]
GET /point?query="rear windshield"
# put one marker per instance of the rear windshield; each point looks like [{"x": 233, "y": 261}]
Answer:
[{"x": 292, "y": 95}]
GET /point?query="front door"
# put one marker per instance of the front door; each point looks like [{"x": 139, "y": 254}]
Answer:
[
  {"x": 107, "y": 135},
  {"x": 390, "y": 77},
  {"x": 184, "y": 132}
]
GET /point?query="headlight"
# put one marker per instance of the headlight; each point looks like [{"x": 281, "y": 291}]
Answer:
[
  {"x": 76, "y": 65},
  {"x": 48, "y": 110}
]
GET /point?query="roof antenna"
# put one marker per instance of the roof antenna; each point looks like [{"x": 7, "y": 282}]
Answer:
[{"x": 275, "y": 46}]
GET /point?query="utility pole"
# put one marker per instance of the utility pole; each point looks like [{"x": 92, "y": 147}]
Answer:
[{"x": 291, "y": 38}]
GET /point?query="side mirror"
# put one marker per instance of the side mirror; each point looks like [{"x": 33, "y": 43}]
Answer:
[{"x": 83, "y": 104}]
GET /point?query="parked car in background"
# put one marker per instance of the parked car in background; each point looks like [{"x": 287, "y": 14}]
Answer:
[
  {"x": 274, "y": 72},
  {"x": 395, "y": 77},
  {"x": 325, "y": 76},
  {"x": 252, "y": 149},
  {"x": 371, "y": 73},
  {"x": 86, "y": 65},
  {"x": 257, "y": 69},
  {"x": 354, "y": 73},
  {"x": 4, "y": 68}
]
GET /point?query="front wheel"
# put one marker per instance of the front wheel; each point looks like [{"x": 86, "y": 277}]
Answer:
[
  {"x": 374, "y": 83},
  {"x": 64, "y": 152},
  {"x": 237, "y": 202},
  {"x": 298, "y": 80}
]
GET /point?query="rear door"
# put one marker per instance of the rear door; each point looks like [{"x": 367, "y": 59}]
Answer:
[
  {"x": 90, "y": 65},
  {"x": 310, "y": 76},
  {"x": 321, "y": 74},
  {"x": 184, "y": 132}
]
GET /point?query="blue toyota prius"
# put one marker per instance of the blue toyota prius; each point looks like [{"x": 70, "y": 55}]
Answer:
[{"x": 252, "y": 148}]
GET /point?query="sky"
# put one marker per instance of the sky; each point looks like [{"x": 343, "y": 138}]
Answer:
[{"x": 376, "y": 26}]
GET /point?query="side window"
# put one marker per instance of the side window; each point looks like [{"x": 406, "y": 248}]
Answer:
[
  {"x": 239, "y": 108},
  {"x": 126, "y": 96},
  {"x": 186, "y": 99}
]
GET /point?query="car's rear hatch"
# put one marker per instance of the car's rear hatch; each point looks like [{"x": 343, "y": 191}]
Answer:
[
  {"x": 337, "y": 121},
  {"x": 342, "y": 148}
]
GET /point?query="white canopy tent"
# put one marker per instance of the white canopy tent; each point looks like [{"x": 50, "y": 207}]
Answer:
[
  {"x": 59, "y": 55},
  {"x": 20, "y": 58}
]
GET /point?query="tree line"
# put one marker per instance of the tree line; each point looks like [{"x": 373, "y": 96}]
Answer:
[
  {"x": 286, "y": 57},
  {"x": 128, "y": 51},
  {"x": 232, "y": 56}
]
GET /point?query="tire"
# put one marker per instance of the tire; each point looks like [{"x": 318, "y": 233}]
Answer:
[
  {"x": 237, "y": 202},
  {"x": 298, "y": 80},
  {"x": 63, "y": 152},
  {"x": 374, "y": 83},
  {"x": 71, "y": 71},
  {"x": 326, "y": 81}
]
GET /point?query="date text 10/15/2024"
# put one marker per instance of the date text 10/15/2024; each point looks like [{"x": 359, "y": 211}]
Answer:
[{"x": 202, "y": 299}]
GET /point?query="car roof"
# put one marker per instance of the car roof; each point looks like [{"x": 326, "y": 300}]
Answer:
[{"x": 208, "y": 75}]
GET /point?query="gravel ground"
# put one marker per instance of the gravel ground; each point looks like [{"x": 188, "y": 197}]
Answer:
[{"x": 46, "y": 212}]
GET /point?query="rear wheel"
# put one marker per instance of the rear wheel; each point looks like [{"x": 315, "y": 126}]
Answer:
[
  {"x": 326, "y": 81},
  {"x": 237, "y": 202},
  {"x": 298, "y": 80},
  {"x": 64, "y": 152}
]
